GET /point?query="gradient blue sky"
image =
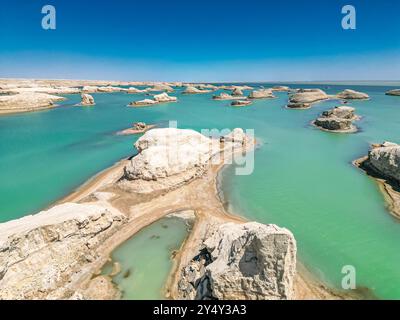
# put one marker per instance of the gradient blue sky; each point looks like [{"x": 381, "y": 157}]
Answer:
[{"x": 201, "y": 40}]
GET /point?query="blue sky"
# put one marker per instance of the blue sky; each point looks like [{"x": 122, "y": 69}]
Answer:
[{"x": 203, "y": 40}]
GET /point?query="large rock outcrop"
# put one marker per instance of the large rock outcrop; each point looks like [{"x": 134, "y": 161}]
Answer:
[
  {"x": 44, "y": 256},
  {"x": 169, "y": 157},
  {"x": 261, "y": 94},
  {"x": 27, "y": 101},
  {"x": 303, "y": 98},
  {"x": 352, "y": 94},
  {"x": 338, "y": 119},
  {"x": 242, "y": 261},
  {"x": 385, "y": 160}
]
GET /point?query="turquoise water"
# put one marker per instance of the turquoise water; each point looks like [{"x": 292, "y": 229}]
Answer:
[
  {"x": 144, "y": 272},
  {"x": 303, "y": 177}
]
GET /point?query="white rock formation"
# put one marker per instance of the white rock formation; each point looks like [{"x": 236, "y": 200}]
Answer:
[
  {"x": 194, "y": 90},
  {"x": 237, "y": 92},
  {"x": 241, "y": 103},
  {"x": 394, "y": 92},
  {"x": 110, "y": 89},
  {"x": 261, "y": 94},
  {"x": 168, "y": 152},
  {"x": 281, "y": 89},
  {"x": 169, "y": 157},
  {"x": 305, "y": 97},
  {"x": 242, "y": 261},
  {"x": 164, "y": 97},
  {"x": 48, "y": 90},
  {"x": 351, "y": 94},
  {"x": 27, "y": 101},
  {"x": 338, "y": 119},
  {"x": 144, "y": 102},
  {"x": 385, "y": 160},
  {"x": 90, "y": 89},
  {"x": 87, "y": 100},
  {"x": 136, "y": 90},
  {"x": 226, "y": 96},
  {"x": 161, "y": 87},
  {"x": 42, "y": 256}
]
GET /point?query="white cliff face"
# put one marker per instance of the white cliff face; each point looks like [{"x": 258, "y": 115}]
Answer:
[
  {"x": 386, "y": 160},
  {"x": 27, "y": 101},
  {"x": 352, "y": 94},
  {"x": 87, "y": 100},
  {"x": 242, "y": 261},
  {"x": 305, "y": 97},
  {"x": 42, "y": 256}
]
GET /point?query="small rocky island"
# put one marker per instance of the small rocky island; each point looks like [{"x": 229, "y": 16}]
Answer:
[
  {"x": 261, "y": 94},
  {"x": 87, "y": 100},
  {"x": 158, "y": 98},
  {"x": 304, "y": 98},
  {"x": 241, "y": 103},
  {"x": 27, "y": 101},
  {"x": 383, "y": 163},
  {"x": 194, "y": 90},
  {"x": 137, "y": 128},
  {"x": 226, "y": 96},
  {"x": 352, "y": 94},
  {"x": 394, "y": 92},
  {"x": 339, "y": 119}
]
